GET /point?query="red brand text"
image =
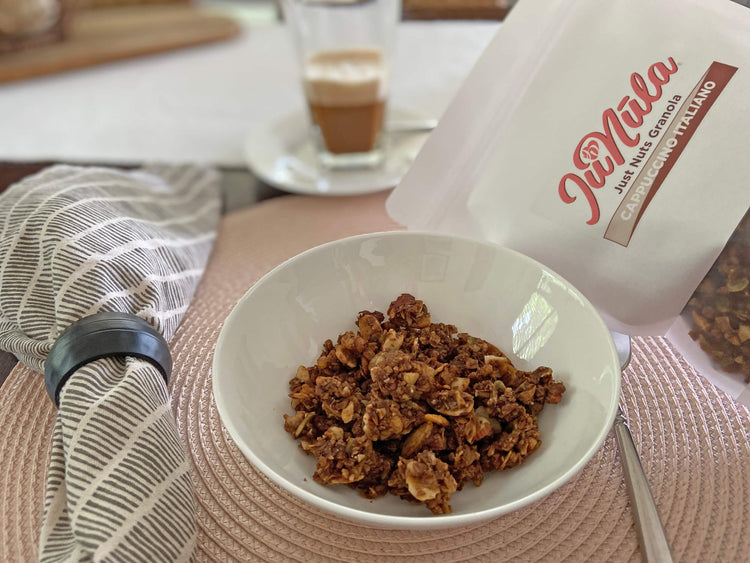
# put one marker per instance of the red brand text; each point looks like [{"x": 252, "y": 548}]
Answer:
[{"x": 599, "y": 152}]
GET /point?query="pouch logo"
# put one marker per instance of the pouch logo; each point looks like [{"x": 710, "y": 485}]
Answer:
[
  {"x": 590, "y": 152},
  {"x": 599, "y": 152}
]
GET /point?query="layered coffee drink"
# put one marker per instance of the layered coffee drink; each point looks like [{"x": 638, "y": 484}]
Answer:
[{"x": 346, "y": 91}]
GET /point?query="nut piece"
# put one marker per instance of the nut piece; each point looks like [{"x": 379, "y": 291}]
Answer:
[
  {"x": 392, "y": 340},
  {"x": 385, "y": 419},
  {"x": 369, "y": 327},
  {"x": 437, "y": 419},
  {"x": 452, "y": 402},
  {"x": 406, "y": 311},
  {"x": 347, "y": 414},
  {"x": 416, "y": 440},
  {"x": 398, "y": 375},
  {"x": 429, "y": 479}
]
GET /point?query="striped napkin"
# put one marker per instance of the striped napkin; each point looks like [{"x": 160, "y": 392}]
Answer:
[{"x": 75, "y": 241}]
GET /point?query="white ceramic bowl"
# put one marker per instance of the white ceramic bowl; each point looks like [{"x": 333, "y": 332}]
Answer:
[{"x": 528, "y": 311}]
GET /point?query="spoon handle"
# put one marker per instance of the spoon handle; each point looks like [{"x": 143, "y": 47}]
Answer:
[{"x": 648, "y": 524}]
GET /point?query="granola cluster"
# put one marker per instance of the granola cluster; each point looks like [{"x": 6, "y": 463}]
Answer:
[
  {"x": 415, "y": 408},
  {"x": 720, "y": 306}
]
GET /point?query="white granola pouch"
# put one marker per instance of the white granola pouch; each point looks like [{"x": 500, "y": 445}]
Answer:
[{"x": 608, "y": 140}]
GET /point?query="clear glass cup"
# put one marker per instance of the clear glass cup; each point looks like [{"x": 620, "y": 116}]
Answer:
[{"x": 345, "y": 49}]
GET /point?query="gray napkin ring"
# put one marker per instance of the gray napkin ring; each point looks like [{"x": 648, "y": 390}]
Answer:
[{"x": 99, "y": 336}]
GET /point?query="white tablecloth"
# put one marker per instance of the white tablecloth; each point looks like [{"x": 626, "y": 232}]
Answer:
[{"x": 199, "y": 104}]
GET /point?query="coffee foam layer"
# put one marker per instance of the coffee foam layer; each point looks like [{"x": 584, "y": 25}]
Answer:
[{"x": 353, "y": 77}]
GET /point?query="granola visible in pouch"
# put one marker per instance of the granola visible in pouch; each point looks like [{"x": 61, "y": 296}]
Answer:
[
  {"x": 607, "y": 140},
  {"x": 720, "y": 307}
]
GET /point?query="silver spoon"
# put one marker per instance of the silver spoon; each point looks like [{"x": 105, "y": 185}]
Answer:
[{"x": 647, "y": 522}]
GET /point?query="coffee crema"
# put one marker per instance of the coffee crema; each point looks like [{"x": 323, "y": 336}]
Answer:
[{"x": 345, "y": 91}]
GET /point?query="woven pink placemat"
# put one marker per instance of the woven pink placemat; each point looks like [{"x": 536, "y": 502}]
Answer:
[{"x": 694, "y": 443}]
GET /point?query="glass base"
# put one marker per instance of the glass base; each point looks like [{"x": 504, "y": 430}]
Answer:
[
  {"x": 347, "y": 160},
  {"x": 351, "y": 160}
]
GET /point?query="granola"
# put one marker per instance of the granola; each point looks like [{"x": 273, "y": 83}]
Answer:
[
  {"x": 720, "y": 306},
  {"x": 415, "y": 408}
]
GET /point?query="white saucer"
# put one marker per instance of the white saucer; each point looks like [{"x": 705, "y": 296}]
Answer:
[{"x": 280, "y": 154}]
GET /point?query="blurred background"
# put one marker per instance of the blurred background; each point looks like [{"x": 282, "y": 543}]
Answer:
[{"x": 24, "y": 23}]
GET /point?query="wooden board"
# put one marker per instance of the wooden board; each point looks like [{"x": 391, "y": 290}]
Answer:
[
  {"x": 456, "y": 9},
  {"x": 111, "y": 34}
]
